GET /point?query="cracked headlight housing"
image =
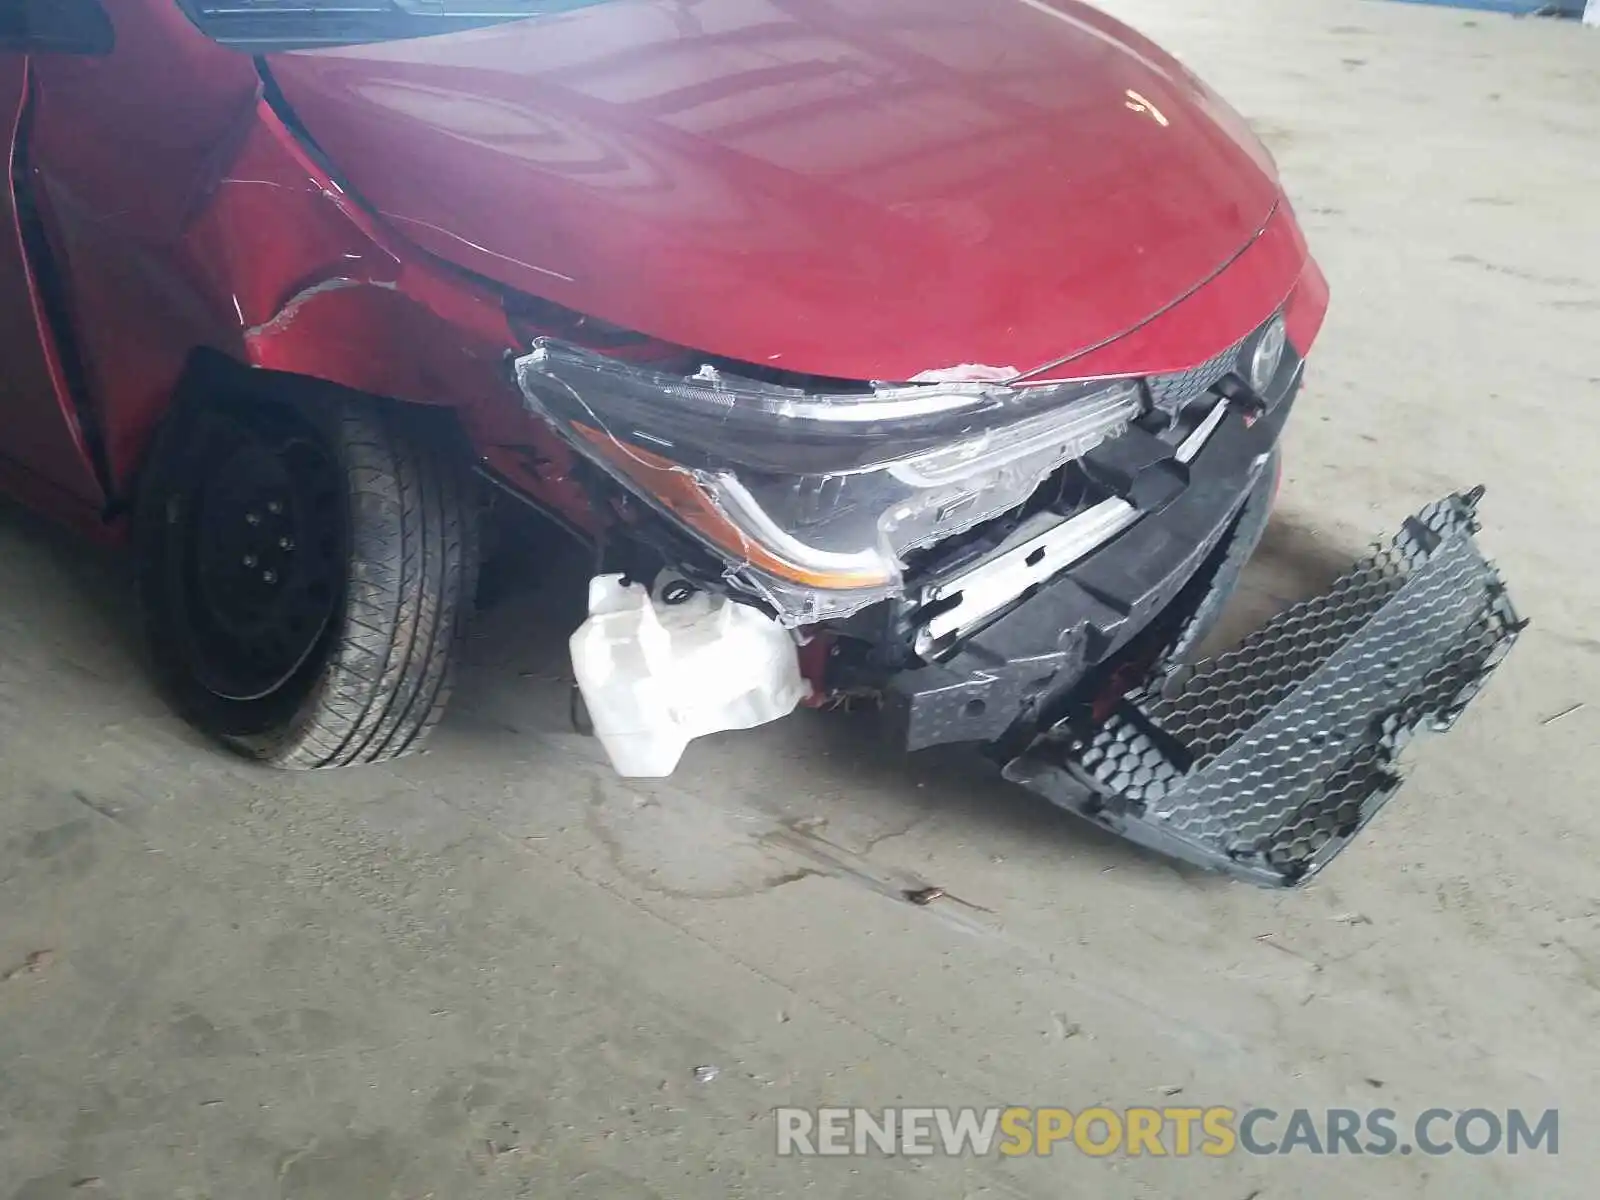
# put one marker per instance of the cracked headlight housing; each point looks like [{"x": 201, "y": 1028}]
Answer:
[{"x": 813, "y": 499}]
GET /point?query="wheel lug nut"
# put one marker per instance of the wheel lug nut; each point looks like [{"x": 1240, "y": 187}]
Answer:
[
  {"x": 274, "y": 507},
  {"x": 269, "y": 577},
  {"x": 285, "y": 543},
  {"x": 249, "y": 560},
  {"x": 251, "y": 518}
]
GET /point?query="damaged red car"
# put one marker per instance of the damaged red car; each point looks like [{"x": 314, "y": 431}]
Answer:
[{"x": 916, "y": 350}]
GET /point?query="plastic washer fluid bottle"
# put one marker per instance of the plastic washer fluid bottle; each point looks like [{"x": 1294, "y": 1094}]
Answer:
[{"x": 656, "y": 676}]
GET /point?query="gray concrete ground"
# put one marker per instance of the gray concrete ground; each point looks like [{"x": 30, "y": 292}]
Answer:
[{"x": 492, "y": 971}]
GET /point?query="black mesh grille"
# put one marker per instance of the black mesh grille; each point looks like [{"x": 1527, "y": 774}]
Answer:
[
  {"x": 1171, "y": 393},
  {"x": 1266, "y": 760}
]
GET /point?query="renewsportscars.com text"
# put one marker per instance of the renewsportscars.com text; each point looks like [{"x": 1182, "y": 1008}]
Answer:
[{"x": 1164, "y": 1132}]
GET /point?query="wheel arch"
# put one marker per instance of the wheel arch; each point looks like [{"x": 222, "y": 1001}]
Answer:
[{"x": 209, "y": 374}]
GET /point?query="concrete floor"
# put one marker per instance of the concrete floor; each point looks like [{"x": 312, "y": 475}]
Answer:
[{"x": 491, "y": 971}]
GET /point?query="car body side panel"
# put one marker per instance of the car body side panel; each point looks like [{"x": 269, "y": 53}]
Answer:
[
  {"x": 121, "y": 145},
  {"x": 43, "y": 453},
  {"x": 222, "y": 233}
]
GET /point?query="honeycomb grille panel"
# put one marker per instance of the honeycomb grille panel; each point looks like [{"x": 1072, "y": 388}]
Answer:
[
  {"x": 1173, "y": 392},
  {"x": 1265, "y": 760}
]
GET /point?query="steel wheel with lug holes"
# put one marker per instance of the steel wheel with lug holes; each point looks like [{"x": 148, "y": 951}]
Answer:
[
  {"x": 306, "y": 571},
  {"x": 267, "y": 563}
]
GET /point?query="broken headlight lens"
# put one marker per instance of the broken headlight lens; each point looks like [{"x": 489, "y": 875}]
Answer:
[{"x": 814, "y": 498}]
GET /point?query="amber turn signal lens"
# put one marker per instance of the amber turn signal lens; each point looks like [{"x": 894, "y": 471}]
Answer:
[{"x": 676, "y": 490}]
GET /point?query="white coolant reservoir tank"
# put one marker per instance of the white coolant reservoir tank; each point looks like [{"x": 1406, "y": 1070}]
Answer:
[{"x": 654, "y": 676}]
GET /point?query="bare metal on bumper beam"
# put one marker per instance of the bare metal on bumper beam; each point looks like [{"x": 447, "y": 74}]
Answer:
[{"x": 1265, "y": 762}]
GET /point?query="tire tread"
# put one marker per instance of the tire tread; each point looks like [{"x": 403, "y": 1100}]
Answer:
[{"x": 411, "y": 577}]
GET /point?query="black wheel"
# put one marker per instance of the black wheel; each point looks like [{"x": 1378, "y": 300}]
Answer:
[{"x": 306, "y": 571}]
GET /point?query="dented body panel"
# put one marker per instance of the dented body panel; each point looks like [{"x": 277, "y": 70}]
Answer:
[{"x": 224, "y": 233}]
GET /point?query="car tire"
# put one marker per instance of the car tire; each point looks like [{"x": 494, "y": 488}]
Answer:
[{"x": 306, "y": 571}]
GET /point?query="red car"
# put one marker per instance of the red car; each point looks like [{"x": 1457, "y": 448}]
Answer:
[{"x": 937, "y": 351}]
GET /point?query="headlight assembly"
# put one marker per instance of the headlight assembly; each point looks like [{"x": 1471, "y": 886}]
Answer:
[{"x": 813, "y": 498}]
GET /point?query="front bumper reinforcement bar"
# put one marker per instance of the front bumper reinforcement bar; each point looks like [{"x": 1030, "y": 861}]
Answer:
[{"x": 1265, "y": 761}]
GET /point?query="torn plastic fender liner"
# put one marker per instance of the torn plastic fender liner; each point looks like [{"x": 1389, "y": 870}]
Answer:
[{"x": 1265, "y": 762}]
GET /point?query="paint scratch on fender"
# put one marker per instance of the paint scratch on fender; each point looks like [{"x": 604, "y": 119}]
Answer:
[
  {"x": 268, "y": 183},
  {"x": 966, "y": 373},
  {"x": 286, "y": 315},
  {"x": 439, "y": 229}
]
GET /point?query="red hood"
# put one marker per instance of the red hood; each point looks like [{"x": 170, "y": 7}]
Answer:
[{"x": 867, "y": 189}]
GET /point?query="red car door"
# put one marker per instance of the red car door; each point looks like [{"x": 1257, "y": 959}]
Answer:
[{"x": 44, "y": 457}]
